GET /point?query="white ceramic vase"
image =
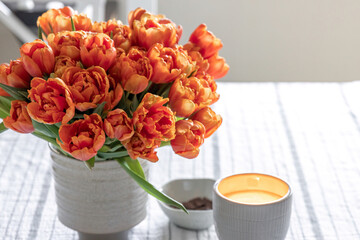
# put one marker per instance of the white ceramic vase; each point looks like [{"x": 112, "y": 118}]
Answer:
[{"x": 102, "y": 203}]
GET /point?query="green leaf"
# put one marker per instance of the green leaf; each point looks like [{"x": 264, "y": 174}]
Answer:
[
  {"x": 149, "y": 188},
  {"x": 90, "y": 163},
  {"x": 112, "y": 155},
  {"x": 72, "y": 24},
  {"x": 104, "y": 148},
  {"x": 3, "y": 113},
  {"x": 2, "y": 128},
  {"x": 135, "y": 166},
  {"x": 134, "y": 104},
  {"x": 111, "y": 35},
  {"x": 53, "y": 129},
  {"x": 46, "y": 138},
  {"x": 17, "y": 93},
  {"x": 44, "y": 129},
  {"x": 100, "y": 108},
  {"x": 6, "y": 102}
]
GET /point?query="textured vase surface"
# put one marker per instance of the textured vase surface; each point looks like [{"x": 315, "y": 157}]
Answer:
[{"x": 103, "y": 200}]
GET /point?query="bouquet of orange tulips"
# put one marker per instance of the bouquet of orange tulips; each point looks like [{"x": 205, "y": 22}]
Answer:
[{"x": 104, "y": 90}]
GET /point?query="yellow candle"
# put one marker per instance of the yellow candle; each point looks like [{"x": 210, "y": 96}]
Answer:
[
  {"x": 253, "y": 188},
  {"x": 253, "y": 196}
]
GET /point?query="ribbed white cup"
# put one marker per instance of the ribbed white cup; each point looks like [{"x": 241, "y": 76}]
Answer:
[
  {"x": 104, "y": 200},
  {"x": 233, "y": 220}
]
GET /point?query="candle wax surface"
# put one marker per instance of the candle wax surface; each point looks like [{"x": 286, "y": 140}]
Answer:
[{"x": 253, "y": 196}]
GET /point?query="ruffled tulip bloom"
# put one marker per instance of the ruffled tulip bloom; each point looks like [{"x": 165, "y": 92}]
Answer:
[
  {"x": 82, "y": 138},
  {"x": 133, "y": 70},
  {"x": 62, "y": 63},
  {"x": 189, "y": 137},
  {"x": 121, "y": 34},
  {"x": 89, "y": 87},
  {"x": 66, "y": 43},
  {"x": 169, "y": 63},
  {"x": 14, "y": 75},
  {"x": 187, "y": 95},
  {"x": 58, "y": 20},
  {"x": 153, "y": 121},
  {"x": 38, "y": 58},
  {"x": 115, "y": 94},
  {"x": 137, "y": 147},
  {"x": 97, "y": 50},
  {"x": 48, "y": 19},
  {"x": 19, "y": 119},
  {"x": 218, "y": 68},
  {"x": 206, "y": 41},
  {"x": 149, "y": 29},
  {"x": 202, "y": 65},
  {"x": 135, "y": 15},
  {"x": 209, "y": 119},
  {"x": 118, "y": 125},
  {"x": 208, "y": 46},
  {"x": 51, "y": 101}
]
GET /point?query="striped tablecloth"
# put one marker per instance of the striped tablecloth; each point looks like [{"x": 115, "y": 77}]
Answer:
[{"x": 306, "y": 133}]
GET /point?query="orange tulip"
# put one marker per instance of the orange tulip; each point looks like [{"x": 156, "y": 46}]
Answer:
[
  {"x": 97, "y": 50},
  {"x": 149, "y": 29},
  {"x": 89, "y": 87},
  {"x": 81, "y": 23},
  {"x": 14, "y": 75},
  {"x": 189, "y": 137},
  {"x": 19, "y": 119},
  {"x": 57, "y": 20},
  {"x": 66, "y": 43},
  {"x": 206, "y": 41},
  {"x": 51, "y": 101},
  {"x": 137, "y": 147},
  {"x": 133, "y": 70},
  {"x": 211, "y": 83},
  {"x": 208, "y": 46},
  {"x": 187, "y": 95},
  {"x": 209, "y": 119},
  {"x": 153, "y": 121},
  {"x": 62, "y": 63},
  {"x": 115, "y": 94},
  {"x": 218, "y": 67},
  {"x": 135, "y": 15},
  {"x": 48, "y": 19},
  {"x": 118, "y": 125},
  {"x": 202, "y": 65},
  {"x": 38, "y": 58},
  {"x": 121, "y": 34},
  {"x": 82, "y": 138},
  {"x": 169, "y": 63}
]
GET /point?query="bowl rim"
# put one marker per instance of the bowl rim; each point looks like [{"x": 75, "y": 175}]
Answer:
[
  {"x": 285, "y": 197},
  {"x": 166, "y": 206}
]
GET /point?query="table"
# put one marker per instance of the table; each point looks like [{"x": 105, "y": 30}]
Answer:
[{"x": 306, "y": 133}]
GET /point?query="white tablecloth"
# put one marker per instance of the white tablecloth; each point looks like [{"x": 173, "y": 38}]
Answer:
[{"x": 306, "y": 133}]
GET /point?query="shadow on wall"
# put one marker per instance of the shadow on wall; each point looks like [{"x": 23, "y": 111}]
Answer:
[{"x": 278, "y": 40}]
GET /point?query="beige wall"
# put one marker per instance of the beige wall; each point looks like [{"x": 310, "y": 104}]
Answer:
[{"x": 279, "y": 40}]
